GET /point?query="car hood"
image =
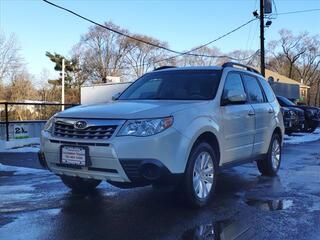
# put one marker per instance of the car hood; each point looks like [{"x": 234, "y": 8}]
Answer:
[
  {"x": 306, "y": 107},
  {"x": 132, "y": 109}
]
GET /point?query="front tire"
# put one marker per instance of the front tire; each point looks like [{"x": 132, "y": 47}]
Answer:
[
  {"x": 201, "y": 174},
  {"x": 271, "y": 164},
  {"x": 80, "y": 185}
]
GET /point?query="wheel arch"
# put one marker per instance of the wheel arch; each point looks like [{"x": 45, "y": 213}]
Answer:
[
  {"x": 211, "y": 139},
  {"x": 277, "y": 130}
]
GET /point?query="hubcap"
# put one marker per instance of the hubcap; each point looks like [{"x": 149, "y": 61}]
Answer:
[
  {"x": 275, "y": 154},
  {"x": 203, "y": 173}
]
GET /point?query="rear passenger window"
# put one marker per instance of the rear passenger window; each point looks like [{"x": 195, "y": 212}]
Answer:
[
  {"x": 233, "y": 82},
  {"x": 267, "y": 89},
  {"x": 253, "y": 89}
]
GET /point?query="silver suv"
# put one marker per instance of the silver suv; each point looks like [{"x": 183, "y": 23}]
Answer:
[{"x": 173, "y": 126}]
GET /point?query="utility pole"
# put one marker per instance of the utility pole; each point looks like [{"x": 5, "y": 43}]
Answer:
[
  {"x": 262, "y": 60},
  {"x": 62, "y": 85}
]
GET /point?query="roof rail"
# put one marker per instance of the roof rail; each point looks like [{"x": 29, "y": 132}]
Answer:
[
  {"x": 233, "y": 64},
  {"x": 163, "y": 67}
]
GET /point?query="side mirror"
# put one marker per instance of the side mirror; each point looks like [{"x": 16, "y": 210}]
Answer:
[
  {"x": 116, "y": 96},
  {"x": 234, "y": 97}
]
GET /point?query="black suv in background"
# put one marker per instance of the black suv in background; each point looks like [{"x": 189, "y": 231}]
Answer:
[
  {"x": 291, "y": 120},
  {"x": 311, "y": 114}
]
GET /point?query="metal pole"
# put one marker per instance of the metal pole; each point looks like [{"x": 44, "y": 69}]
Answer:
[
  {"x": 7, "y": 120},
  {"x": 262, "y": 63},
  {"x": 62, "y": 85}
]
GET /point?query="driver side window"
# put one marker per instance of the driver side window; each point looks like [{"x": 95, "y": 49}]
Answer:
[{"x": 233, "y": 82}]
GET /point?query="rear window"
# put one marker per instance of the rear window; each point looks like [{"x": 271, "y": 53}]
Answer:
[
  {"x": 174, "y": 85},
  {"x": 267, "y": 90},
  {"x": 253, "y": 89}
]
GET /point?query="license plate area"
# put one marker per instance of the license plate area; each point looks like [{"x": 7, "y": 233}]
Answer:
[{"x": 74, "y": 155}]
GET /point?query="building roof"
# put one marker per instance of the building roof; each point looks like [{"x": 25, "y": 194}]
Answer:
[{"x": 283, "y": 79}]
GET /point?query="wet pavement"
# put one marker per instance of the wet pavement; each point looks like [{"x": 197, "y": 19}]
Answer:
[{"x": 34, "y": 204}]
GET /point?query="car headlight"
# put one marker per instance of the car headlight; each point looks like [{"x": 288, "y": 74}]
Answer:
[
  {"x": 145, "y": 127},
  {"x": 49, "y": 124}
]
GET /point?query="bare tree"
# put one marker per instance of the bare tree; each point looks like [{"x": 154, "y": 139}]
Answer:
[
  {"x": 189, "y": 60},
  {"x": 2, "y": 92},
  {"x": 309, "y": 62},
  {"x": 142, "y": 57},
  {"x": 21, "y": 88},
  {"x": 247, "y": 57},
  {"x": 297, "y": 57},
  {"x": 292, "y": 49},
  {"x": 103, "y": 52},
  {"x": 10, "y": 59}
]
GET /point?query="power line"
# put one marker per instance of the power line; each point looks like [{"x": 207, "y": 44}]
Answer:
[
  {"x": 211, "y": 56},
  {"x": 156, "y": 45},
  {"x": 250, "y": 30},
  {"x": 208, "y": 43},
  {"x": 110, "y": 29},
  {"x": 299, "y": 11}
]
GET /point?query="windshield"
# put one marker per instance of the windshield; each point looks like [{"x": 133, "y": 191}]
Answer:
[
  {"x": 174, "y": 85},
  {"x": 285, "y": 102}
]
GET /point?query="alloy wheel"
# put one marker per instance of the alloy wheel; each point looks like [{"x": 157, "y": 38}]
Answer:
[{"x": 203, "y": 175}]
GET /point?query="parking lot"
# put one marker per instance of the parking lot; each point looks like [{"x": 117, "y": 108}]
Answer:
[{"x": 36, "y": 205}]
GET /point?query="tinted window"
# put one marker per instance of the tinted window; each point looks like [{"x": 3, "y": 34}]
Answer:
[
  {"x": 233, "y": 82},
  {"x": 253, "y": 89},
  {"x": 267, "y": 90},
  {"x": 175, "y": 85}
]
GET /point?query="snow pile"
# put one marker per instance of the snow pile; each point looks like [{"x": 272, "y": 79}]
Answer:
[
  {"x": 20, "y": 170},
  {"x": 297, "y": 138},
  {"x": 20, "y": 145}
]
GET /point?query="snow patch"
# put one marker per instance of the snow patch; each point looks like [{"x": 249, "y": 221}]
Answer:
[
  {"x": 20, "y": 170},
  {"x": 20, "y": 145},
  {"x": 297, "y": 138}
]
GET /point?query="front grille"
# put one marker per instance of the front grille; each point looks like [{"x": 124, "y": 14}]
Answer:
[
  {"x": 65, "y": 130},
  {"x": 300, "y": 113}
]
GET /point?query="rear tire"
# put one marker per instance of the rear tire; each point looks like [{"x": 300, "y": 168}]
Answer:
[
  {"x": 271, "y": 164},
  {"x": 80, "y": 185},
  {"x": 201, "y": 174}
]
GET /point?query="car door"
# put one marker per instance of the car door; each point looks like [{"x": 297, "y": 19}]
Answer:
[
  {"x": 263, "y": 113},
  {"x": 237, "y": 122}
]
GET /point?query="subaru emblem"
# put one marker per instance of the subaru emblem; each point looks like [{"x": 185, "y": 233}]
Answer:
[{"x": 80, "y": 124}]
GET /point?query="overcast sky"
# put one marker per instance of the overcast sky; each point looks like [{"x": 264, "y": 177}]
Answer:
[{"x": 40, "y": 27}]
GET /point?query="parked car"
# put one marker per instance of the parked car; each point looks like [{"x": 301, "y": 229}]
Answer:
[
  {"x": 293, "y": 119},
  {"x": 173, "y": 126},
  {"x": 290, "y": 120},
  {"x": 311, "y": 114}
]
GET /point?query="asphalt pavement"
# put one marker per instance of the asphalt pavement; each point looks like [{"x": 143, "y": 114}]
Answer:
[{"x": 34, "y": 204}]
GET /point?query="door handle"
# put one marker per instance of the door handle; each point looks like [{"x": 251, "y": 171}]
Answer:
[
  {"x": 251, "y": 113},
  {"x": 270, "y": 110}
]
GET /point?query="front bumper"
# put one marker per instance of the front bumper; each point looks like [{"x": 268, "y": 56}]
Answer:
[{"x": 122, "y": 159}]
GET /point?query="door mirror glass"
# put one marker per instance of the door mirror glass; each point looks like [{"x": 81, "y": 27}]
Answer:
[
  {"x": 116, "y": 96},
  {"x": 235, "y": 96}
]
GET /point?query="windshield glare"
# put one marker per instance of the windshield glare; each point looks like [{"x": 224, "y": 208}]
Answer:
[{"x": 174, "y": 85}]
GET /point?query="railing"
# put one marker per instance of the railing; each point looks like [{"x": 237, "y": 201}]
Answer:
[{"x": 37, "y": 113}]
